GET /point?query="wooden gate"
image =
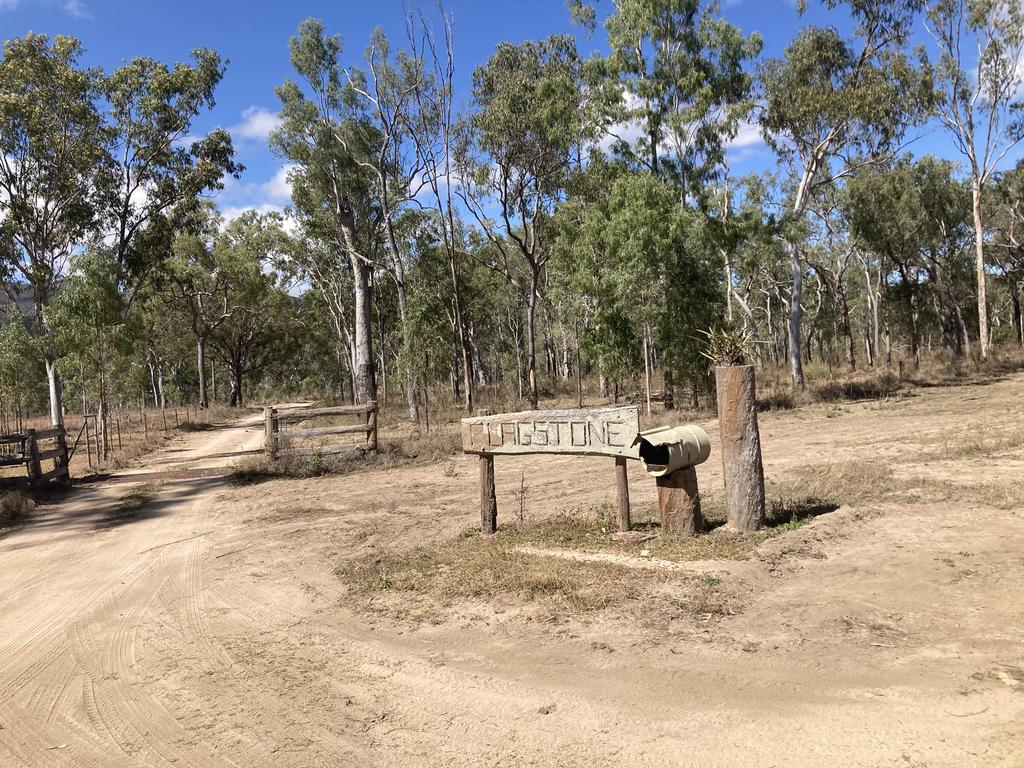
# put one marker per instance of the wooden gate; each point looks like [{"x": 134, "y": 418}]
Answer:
[
  {"x": 34, "y": 447},
  {"x": 282, "y": 439}
]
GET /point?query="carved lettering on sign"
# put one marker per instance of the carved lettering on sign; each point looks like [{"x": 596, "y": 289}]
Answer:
[{"x": 594, "y": 432}]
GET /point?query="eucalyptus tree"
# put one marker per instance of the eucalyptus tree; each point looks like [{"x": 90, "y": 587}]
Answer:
[
  {"x": 916, "y": 216},
  {"x": 982, "y": 106},
  {"x": 261, "y": 335},
  {"x": 93, "y": 331},
  {"x": 677, "y": 71},
  {"x": 746, "y": 229},
  {"x": 206, "y": 276},
  {"x": 832, "y": 105},
  {"x": 331, "y": 195},
  {"x": 436, "y": 136},
  {"x": 154, "y": 163},
  {"x": 838, "y": 249},
  {"x": 529, "y": 116},
  {"x": 1006, "y": 212},
  {"x": 639, "y": 261},
  {"x": 51, "y": 144}
]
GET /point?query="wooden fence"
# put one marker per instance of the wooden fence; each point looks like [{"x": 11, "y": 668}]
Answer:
[
  {"x": 280, "y": 439},
  {"x": 28, "y": 448}
]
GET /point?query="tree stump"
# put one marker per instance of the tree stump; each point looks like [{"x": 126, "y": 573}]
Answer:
[
  {"x": 679, "y": 502},
  {"x": 741, "y": 447}
]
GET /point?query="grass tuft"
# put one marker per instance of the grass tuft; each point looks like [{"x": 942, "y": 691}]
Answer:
[{"x": 15, "y": 506}]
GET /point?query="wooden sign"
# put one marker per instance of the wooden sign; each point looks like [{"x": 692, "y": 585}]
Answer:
[{"x": 589, "y": 432}]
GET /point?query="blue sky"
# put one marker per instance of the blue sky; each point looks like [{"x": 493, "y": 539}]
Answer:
[{"x": 254, "y": 38}]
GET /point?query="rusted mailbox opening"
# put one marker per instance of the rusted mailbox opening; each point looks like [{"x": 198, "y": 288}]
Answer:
[{"x": 653, "y": 455}]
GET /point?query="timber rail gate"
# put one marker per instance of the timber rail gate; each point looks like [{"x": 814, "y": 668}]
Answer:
[
  {"x": 281, "y": 439},
  {"x": 32, "y": 448}
]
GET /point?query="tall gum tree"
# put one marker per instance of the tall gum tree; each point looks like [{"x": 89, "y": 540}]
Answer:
[
  {"x": 672, "y": 93},
  {"x": 154, "y": 162},
  {"x": 435, "y": 136},
  {"x": 385, "y": 97},
  {"x": 981, "y": 80},
  {"x": 316, "y": 136},
  {"x": 529, "y": 117},
  {"x": 831, "y": 105},
  {"x": 51, "y": 143}
]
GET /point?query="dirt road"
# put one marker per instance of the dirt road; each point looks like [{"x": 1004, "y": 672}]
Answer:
[{"x": 208, "y": 627}]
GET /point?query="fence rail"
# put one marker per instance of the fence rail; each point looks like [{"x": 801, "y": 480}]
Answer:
[
  {"x": 32, "y": 456},
  {"x": 279, "y": 439}
]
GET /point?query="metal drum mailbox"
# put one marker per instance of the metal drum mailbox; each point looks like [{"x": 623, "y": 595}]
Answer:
[{"x": 666, "y": 449}]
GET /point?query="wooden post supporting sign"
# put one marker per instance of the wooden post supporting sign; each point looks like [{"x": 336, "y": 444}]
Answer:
[
  {"x": 488, "y": 495},
  {"x": 622, "y": 484}
]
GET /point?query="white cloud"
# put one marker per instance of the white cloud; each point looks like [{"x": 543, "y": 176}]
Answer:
[
  {"x": 77, "y": 9},
  {"x": 256, "y": 125},
  {"x": 232, "y": 212},
  {"x": 278, "y": 188},
  {"x": 748, "y": 135},
  {"x": 74, "y": 8}
]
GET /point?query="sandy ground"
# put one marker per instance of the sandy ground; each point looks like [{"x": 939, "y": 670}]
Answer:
[{"x": 209, "y": 628}]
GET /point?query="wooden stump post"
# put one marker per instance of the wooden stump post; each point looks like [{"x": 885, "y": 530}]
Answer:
[
  {"x": 741, "y": 447},
  {"x": 488, "y": 496},
  {"x": 35, "y": 469},
  {"x": 61, "y": 462},
  {"x": 88, "y": 439},
  {"x": 371, "y": 426},
  {"x": 679, "y": 502},
  {"x": 269, "y": 431},
  {"x": 622, "y": 483}
]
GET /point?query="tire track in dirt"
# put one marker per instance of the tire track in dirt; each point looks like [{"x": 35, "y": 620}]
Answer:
[{"x": 45, "y": 638}]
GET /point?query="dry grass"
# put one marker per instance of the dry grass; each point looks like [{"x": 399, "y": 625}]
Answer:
[
  {"x": 15, "y": 506},
  {"x": 840, "y": 482},
  {"x": 409, "y": 449},
  {"x": 433, "y": 582},
  {"x": 429, "y": 580},
  {"x": 975, "y": 443},
  {"x": 872, "y": 386}
]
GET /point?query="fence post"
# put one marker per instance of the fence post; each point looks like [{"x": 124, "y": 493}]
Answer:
[
  {"x": 371, "y": 425},
  {"x": 488, "y": 497},
  {"x": 88, "y": 440},
  {"x": 270, "y": 428},
  {"x": 145, "y": 426},
  {"x": 35, "y": 470},
  {"x": 96, "y": 437},
  {"x": 62, "y": 463},
  {"x": 117, "y": 418}
]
